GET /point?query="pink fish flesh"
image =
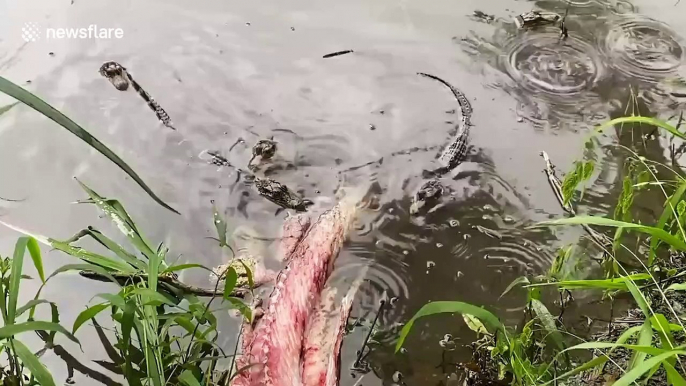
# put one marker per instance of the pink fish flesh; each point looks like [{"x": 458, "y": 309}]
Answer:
[
  {"x": 324, "y": 337},
  {"x": 275, "y": 346}
]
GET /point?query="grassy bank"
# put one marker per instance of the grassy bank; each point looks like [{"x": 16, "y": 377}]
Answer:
[{"x": 642, "y": 261}]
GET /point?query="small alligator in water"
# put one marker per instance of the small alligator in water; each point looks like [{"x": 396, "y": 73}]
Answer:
[
  {"x": 450, "y": 157},
  {"x": 280, "y": 194},
  {"x": 265, "y": 149},
  {"x": 268, "y": 188},
  {"x": 530, "y": 20},
  {"x": 120, "y": 79}
]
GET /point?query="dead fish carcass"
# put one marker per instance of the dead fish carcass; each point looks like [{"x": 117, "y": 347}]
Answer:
[{"x": 273, "y": 346}]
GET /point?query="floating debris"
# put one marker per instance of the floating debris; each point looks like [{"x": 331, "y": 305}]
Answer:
[
  {"x": 489, "y": 232},
  {"x": 483, "y": 16},
  {"x": 337, "y": 53}
]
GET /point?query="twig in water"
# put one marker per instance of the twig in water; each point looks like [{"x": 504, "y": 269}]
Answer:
[
  {"x": 337, "y": 53},
  {"x": 123, "y": 278},
  {"x": 11, "y": 200},
  {"x": 564, "y": 33},
  {"x": 600, "y": 239},
  {"x": 369, "y": 334}
]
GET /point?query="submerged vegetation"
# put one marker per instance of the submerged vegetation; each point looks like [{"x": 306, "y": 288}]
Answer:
[{"x": 645, "y": 261}]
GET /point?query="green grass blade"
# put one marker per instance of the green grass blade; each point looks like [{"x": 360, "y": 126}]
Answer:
[
  {"x": 44, "y": 108},
  {"x": 490, "y": 321},
  {"x": 602, "y": 221},
  {"x": 645, "y": 338},
  {"x": 243, "y": 308},
  {"x": 220, "y": 225},
  {"x": 152, "y": 297},
  {"x": 14, "y": 329},
  {"x": 115, "y": 300},
  {"x": 30, "y": 305},
  {"x": 117, "y": 249},
  {"x": 639, "y": 298},
  {"x": 34, "y": 251},
  {"x": 82, "y": 267},
  {"x": 249, "y": 274},
  {"x": 595, "y": 362},
  {"x": 619, "y": 283},
  {"x": 644, "y": 367},
  {"x": 127, "y": 323},
  {"x": 91, "y": 257},
  {"x": 15, "y": 279},
  {"x": 88, "y": 314},
  {"x": 182, "y": 267},
  {"x": 664, "y": 330},
  {"x": 673, "y": 376},
  {"x": 650, "y": 350},
  {"x": 230, "y": 280},
  {"x": 548, "y": 322},
  {"x": 115, "y": 211},
  {"x": 676, "y": 287},
  {"x": 647, "y": 120},
  {"x": 34, "y": 365},
  {"x": 516, "y": 282},
  {"x": 670, "y": 209},
  {"x": 188, "y": 379}
]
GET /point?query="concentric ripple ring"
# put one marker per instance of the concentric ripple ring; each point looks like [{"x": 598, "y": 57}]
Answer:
[
  {"x": 542, "y": 63},
  {"x": 643, "y": 48}
]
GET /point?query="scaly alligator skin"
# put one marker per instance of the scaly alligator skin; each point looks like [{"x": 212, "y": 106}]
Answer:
[
  {"x": 534, "y": 19},
  {"x": 120, "y": 79},
  {"x": 265, "y": 148},
  {"x": 451, "y": 156},
  {"x": 280, "y": 194},
  {"x": 427, "y": 194},
  {"x": 272, "y": 190},
  {"x": 275, "y": 345}
]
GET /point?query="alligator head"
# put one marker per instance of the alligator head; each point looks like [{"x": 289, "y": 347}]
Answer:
[
  {"x": 265, "y": 148},
  {"x": 116, "y": 74},
  {"x": 428, "y": 193},
  {"x": 280, "y": 194}
]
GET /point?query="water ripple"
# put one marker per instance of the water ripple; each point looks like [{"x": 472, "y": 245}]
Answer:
[
  {"x": 643, "y": 48},
  {"x": 557, "y": 70}
]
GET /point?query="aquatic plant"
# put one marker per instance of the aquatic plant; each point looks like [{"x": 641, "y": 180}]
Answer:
[
  {"x": 23, "y": 366},
  {"x": 164, "y": 333}
]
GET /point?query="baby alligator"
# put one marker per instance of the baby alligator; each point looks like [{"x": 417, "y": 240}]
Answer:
[
  {"x": 272, "y": 190},
  {"x": 450, "y": 157},
  {"x": 120, "y": 79}
]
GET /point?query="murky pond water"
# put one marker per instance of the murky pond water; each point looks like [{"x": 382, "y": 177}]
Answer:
[{"x": 230, "y": 73}]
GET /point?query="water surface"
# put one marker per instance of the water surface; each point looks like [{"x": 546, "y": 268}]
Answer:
[{"x": 231, "y": 73}]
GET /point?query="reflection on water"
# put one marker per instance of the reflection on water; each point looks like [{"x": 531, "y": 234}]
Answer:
[{"x": 232, "y": 73}]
